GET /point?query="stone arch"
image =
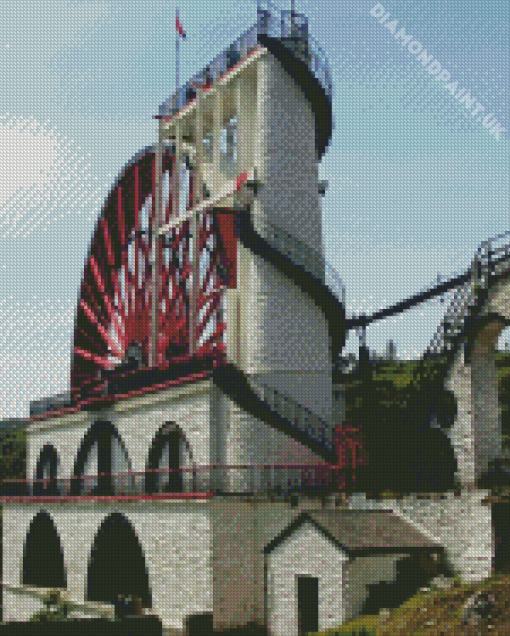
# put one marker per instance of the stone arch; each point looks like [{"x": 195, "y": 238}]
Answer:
[
  {"x": 117, "y": 563},
  {"x": 43, "y": 558},
  {"x": 480, "y": 356},
  {"x": 473, "y": 378},
  {"x": 169, "y": 449},
  {"x": 432, "y": 461},
  {"x": 47, "y": 468},
  {"x": 102, "y": 451},
  {"x": 445, "y": 409}
]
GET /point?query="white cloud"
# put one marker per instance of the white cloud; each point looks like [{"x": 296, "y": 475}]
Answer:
[
  {"x": 40, "y": 173},
  {"x": 35, "y": 344}
]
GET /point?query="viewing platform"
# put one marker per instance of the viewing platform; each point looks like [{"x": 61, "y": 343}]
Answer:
[{"x": 285, "y": 33}]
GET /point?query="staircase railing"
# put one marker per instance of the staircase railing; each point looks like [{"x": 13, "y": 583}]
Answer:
[
  {"x": 349, "y": 449},
  {"x": 301, "y": 417},
  {"x": 304, "y": 256},
  {"x": 491, "y": 260},
  {"x": 495, "y": 255}
]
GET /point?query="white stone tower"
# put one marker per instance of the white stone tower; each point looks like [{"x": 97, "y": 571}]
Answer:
[{"x": 204, "y": 339}]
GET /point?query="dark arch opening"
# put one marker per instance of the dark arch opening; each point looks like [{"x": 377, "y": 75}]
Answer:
[
  {"x": 169, "y": 449},
  {"x": 117, "y": 563},
  {"x": 101, "y": 451},
  {"x": 47, "y": 468},
  {"x": 43, "y": 558},
  {"x": 444, "y": 409},
  {"x": 433, "y": 462}
]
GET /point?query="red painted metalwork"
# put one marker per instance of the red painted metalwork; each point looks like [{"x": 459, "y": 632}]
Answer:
[
  {"x": 349, "y": 449},
  {"x": 82, "y": 404},
  {"x": 103, "y": 400},
  {"x": 133, "y": 485},
  {"x": 228, "y": 235},
  {"x": 73, "y": 498},
  {"x": 114, "y": 307}
]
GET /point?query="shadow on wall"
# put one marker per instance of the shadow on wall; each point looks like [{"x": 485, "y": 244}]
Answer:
[
  {"x": 404, "y": 459},
  {"x": 413, "y": 573}
]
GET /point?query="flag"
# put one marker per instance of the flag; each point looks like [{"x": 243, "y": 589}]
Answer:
[
  {"x": 180, "y": 33},
  {"x": 179, "y": 28}
]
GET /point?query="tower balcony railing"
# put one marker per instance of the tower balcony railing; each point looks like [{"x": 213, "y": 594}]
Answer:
[
  {"x": 290, "y": 29},
  {"x": 186, "y": 482}
]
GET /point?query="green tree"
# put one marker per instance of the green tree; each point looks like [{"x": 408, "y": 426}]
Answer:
[{"x": 13, "y": 454}]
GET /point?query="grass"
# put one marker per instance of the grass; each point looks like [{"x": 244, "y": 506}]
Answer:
[
  {"x": 356, "y": 626},
  {"x": 437, "y": 612}
]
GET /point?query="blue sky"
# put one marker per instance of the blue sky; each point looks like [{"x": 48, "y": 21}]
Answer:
[{"x": 416, "y": 182}]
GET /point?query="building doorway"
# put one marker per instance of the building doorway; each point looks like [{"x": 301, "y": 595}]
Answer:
[
  {"x": 308, "y": 604},
  {"x": 501, "y": 529}
]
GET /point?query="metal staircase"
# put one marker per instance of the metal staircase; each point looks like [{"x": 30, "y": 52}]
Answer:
[
  {"x": 303, "y": 256},
  {"x": 309, "y": 270},
  {"x": 299, "y": 416},
  {"x": 491, "y": 262}
]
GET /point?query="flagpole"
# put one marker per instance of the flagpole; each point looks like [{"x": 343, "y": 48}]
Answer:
[{"x": 177, "y": 37}]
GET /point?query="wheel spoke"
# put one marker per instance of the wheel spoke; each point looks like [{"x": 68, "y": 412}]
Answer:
[
  {"x": 103, "y": 362},
  {"x": 114, "y": 309},
  {"x": 102, "y": 330}
]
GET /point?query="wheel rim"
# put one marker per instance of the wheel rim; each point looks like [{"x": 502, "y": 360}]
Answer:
[{"x": 113, "y": 317}]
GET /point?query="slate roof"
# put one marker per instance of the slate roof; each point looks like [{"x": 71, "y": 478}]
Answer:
[{"x": 361, "y": 531}]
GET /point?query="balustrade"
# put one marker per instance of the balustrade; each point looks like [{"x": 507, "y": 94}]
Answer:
[
  {"x": 301, "y": 417},
  {"x": 214, "y": 479},
  {"x": 274, "y": 24},
  {"x": 304, "y": 256}
]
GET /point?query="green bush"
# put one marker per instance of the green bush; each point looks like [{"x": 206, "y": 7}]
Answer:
[{"x": 56, "y": 609}]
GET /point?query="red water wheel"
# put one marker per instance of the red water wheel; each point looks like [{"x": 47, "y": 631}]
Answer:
[{"x": 114, "y": 313}]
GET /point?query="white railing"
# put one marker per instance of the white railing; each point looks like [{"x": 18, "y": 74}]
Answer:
[{"x": 292, "y": 31}]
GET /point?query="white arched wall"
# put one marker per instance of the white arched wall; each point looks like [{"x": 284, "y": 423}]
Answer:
[
  {"x": 186, "y": 458},
  {"x": 174, "y": 536},
  {"x": 137, "y": 421},
  {"x": 39, "y": 456},
  {"x": 476, "y": 433}
]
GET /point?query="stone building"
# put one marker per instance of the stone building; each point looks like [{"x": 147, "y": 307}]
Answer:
[{"x": 194, "y": 459}]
